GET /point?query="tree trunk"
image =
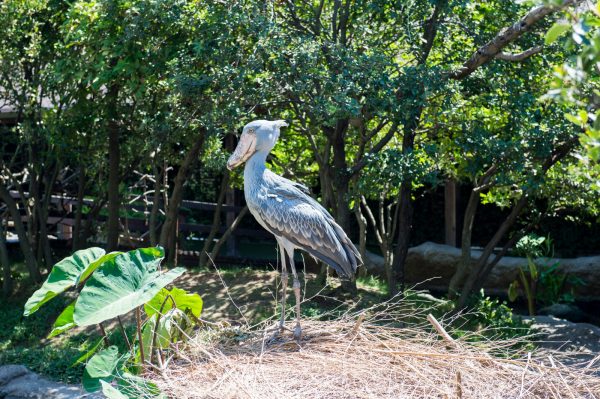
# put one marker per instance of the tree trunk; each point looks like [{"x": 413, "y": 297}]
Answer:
[
  {"x": 215, "y": 251},
  {"x": 341, "y": 179},
  {"x": 79, "y": 211},
  {"x": 24, "y": 242},
  {"x": 450, "y": 212},
  {"x": 43, "y": 239},
  {"x": 152, "y": 224},
  {"x": 489, "y": 249},
  {"x": 114, "y": 175},
  {"x": 464, "y": 265},
  {"x": 342, "y": 185},
  {"x": 362, "y": 236},
  {"x": 168, "y": 230},
  {"x": 49, "y": 180},
  {"x": 404, "y": 228},
  {"x": 488, "y": 268},
  {"x": 405, "y": 211},
  {"x": 216, "y": 222},
  {"x": 92, "y": 217},
  {"x": 7, "y": 283},
  {"x": 33, "y": 222}
]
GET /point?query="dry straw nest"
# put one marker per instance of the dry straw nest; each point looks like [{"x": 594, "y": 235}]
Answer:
[{"x": 393, "y": 350}]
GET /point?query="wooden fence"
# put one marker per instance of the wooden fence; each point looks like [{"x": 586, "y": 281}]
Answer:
[{"x": 62, "y": 225}]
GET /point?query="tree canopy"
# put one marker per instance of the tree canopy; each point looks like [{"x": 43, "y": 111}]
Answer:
[{"x": 383, "y": 99}]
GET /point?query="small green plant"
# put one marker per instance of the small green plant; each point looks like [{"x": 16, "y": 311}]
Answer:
[
  {"x": 112, "y": 285},
  {"x": 528, "y": 282},
  {"x": 496, "y": 316},
  {"x": 541, "y": 283}
]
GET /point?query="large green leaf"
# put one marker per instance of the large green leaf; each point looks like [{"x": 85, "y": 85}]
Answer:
[
  {"x": 134, "y": 386},
  {"x": 94, "y": 265},
  {"x": 101, "y": 367},
  {"x": 170, "y": 327},
  {"x": 62, "y": 277},
  {"x": 123, "y": 283},
  {"x": 183, "y": 300},
  {"x": 64, "y": 321},
  {"x": 111, "y": 392},
  {"x": 148, "y": 334},
  {"x": 513, "y": 291}
]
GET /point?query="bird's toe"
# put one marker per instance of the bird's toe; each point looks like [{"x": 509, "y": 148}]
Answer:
[{"x": 298, "y": 333}]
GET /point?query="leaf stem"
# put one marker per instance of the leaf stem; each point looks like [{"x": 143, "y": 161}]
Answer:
[
  {"x": 138, "y": 317},
  {"x": 124, "y": 333},
  {"x": 103, "y": 332},
  {"x": 159, "y": 314}
]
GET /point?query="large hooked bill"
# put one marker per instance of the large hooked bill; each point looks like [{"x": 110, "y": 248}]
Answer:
[{"x": 245, "y": 149}]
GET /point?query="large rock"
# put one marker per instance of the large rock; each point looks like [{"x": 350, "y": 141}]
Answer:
[
  {"x": 560, "y": 334},
  {"x": 565, "y": 311},
  {"x": 431, "y": 266},
  {"x": 571, "y": 343},
  {"x": 17, "y": 382}
]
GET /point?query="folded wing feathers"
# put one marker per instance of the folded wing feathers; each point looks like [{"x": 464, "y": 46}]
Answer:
[{"x": 293, "y": 214}]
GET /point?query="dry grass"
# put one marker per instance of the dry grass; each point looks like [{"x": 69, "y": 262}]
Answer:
[{"x": 388, "y": 351}]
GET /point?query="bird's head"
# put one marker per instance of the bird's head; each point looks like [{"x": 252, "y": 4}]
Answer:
[{"x": 257, "y": 136}]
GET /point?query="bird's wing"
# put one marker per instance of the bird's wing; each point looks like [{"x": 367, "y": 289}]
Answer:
[
  {"x": 301, "y": 187},
  {"x": 290, "y": 213}
]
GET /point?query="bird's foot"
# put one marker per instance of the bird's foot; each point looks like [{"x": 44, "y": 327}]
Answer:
[
  {"x": 276, "y": 333},
  {"x": 274, "y": 336},
  {"x": 298, "y": 332}
]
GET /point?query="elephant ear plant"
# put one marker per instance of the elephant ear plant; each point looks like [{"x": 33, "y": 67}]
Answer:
[{"x": 110, "y": 286}]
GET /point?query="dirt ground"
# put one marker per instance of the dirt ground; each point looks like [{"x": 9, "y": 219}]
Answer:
[
  {"x": 249, "y": 296},
  {"x": 233, "y": 296}
]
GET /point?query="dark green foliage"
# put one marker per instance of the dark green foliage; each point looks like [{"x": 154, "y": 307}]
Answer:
[
  {"x": 540, "y": 281},
  {"x": 22, "y": 341},
  {"x": 491, "y": 318}
]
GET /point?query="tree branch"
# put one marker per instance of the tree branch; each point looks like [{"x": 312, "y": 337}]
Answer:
[
  {"x": 520, "y": 56},
  {"x": 371, "y": 218},
  {"x": 506, "y": 36},
  {"x": 376, "y": 148},
  {"x": 430, "y": 30}
]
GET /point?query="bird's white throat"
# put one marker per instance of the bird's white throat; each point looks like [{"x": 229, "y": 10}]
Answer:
[{"x": 254, "y": 169}]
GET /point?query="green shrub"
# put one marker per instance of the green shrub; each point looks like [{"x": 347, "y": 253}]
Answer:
[{"x": 112, "y": 285}]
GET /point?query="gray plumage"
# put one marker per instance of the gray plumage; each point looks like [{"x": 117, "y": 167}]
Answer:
[{"x": 285, "y": 209}]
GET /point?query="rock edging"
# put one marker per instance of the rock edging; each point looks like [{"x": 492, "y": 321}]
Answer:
[
  {"x": 18, "y": 382},
  {"x": 432, "y": 265}
]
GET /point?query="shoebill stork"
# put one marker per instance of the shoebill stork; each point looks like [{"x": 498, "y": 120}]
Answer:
[{"x": 284, "y": 208}]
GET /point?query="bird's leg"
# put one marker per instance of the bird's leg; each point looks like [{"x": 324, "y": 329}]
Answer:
[
  {"x": 284, "y": 283},
  {"x": 296, "y": 286}
]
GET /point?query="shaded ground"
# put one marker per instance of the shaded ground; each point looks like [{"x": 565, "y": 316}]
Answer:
[
  {"x": 16, "y": 382},
  {"x": 253, "y": 294},
  {"x": 23, "y": 339},
  {"x": 576, "y": 342}
]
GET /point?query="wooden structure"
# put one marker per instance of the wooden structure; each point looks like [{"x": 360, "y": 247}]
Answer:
[{"x": 62, "y": 226}]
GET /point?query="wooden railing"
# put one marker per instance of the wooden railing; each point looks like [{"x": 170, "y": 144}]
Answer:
[{"x": 64, "y": 224}]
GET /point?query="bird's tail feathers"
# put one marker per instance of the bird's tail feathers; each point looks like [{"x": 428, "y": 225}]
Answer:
[{"x": 351, "y": 252}]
